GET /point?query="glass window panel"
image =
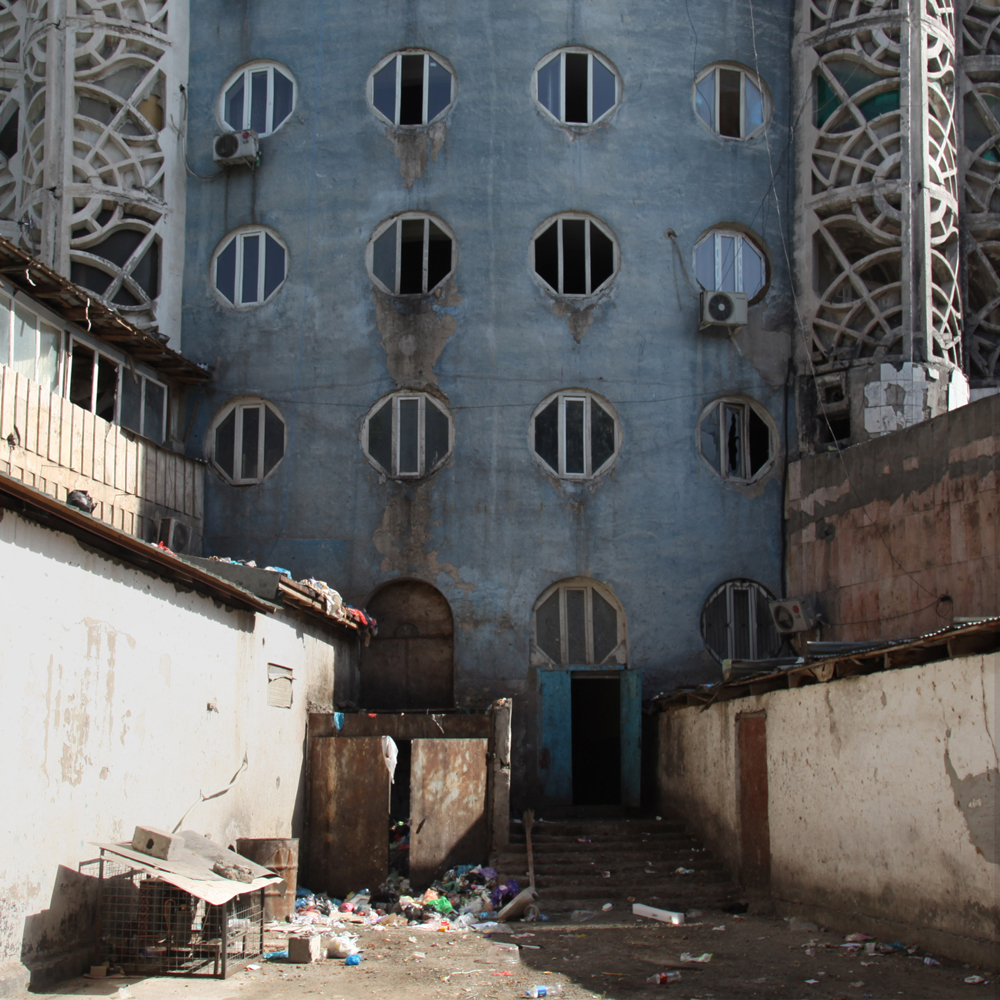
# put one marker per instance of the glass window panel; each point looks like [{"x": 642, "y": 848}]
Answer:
[
  {"x": 384, "y": 90},
  {"x": 409, "y": 410},
  {"x": 81, "y": 375},
  {"x": 49, "y": 342},
  {"x": 234, "y": 105},
  {"x": 729, "y": 102},
  {"x": 438, "y": 88},
  {"x": 251, "y": 267},
  {"x": 602, "y": 257},
  {"x": 435, "y": 435},
  {"x": 274, "y": 264},
  {"x": 574, "y": 257},
  {"x": 605, "y": 619},
  {"x": 24, "y": 341},
  {"x": 715, "y": 622},
  {"x": 130, "y": 412},
  {"x": 767, "y": 635},
  {"x": 733, "y": 424},
  {"x": 284, "y": 93},
  {"x": 574, "y": 437},
  {"x": 153, "y": 411},
  {"x": 4, "y": 330},
  {"x": 258, "y": 101},
  {"x": 742, "y": 648},
  {"x": 576, "y": 88},
  {"x": 547, "y": 435},
  {"x": 603, "y": 97},
  {"x": 602, "y": 436},
  {"x": 547, "y": 256},
  {"x": 384, "y": 258},
  {"x": 411, "y": 90},
  {"x": 753, "y": 268},
  {"x": 758, "y": 442},
  {"x": 548, "y": 85},
  {"x": 225, "y": 444},
  {"x": 827, "y": 100},
  {"x": 727, "y": 264},
  {"x": 274, "y": 439},
  {"x": 705, "y": 100},
  {"x": 380, "y": 436},
  {"x": 710, "y": 446},
  {"x": 547, "y": 627},
  {"x": 438, "y": 256},
  {"x": 107, "y": 388},
  {"x": 753, "y": 107},
  {"x": 225, "y": 271},
  {"x": 250, "y": 425},
  {"x": 411, "y": 257},
  {"x": 576, "y": 627},
  {"x": 704, "y": 263}
]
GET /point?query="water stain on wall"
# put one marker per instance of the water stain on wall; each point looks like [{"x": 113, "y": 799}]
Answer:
[
  {"x": 412, "y": 149},
  {"x": 976, "y": 800}
]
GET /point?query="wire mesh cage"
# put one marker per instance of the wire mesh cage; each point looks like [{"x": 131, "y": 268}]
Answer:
[{"x": 146, "y": 926}]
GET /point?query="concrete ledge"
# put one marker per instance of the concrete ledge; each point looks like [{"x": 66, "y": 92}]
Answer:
[{"x": 57, "y": 968}]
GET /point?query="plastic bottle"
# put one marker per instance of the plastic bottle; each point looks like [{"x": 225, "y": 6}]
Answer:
[
  {"x": 544, "y": 991},
  {"x": 660, "y": 978}
]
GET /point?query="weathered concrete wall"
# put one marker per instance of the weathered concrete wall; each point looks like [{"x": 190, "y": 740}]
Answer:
[
  {"x": 883, "y": 531},
  {"x": 125, "y": 701},
  {"x": 882, "y": 799},
  {"x": 491, "y": 530}
]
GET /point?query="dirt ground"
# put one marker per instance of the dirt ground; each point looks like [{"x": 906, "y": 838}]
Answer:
[{"x": 610, "y": 959}]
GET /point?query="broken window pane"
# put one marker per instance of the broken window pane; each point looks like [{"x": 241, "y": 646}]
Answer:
[
  {"x": 384, "y": 90},
  {"x": 274, "y": 440},
  {"x": 225, "y": 444},
  {"x": 258, "y": 101},
  {"x": 234, "y": 105},
  {"x": 745, "y": 446},
  {"x": 758, "y": 442},
  {"x": 438, "y": 88},
  {"x": 547, "y": 435},
  {"x": 380, "y": 436},
  {"x": 251, "y": 266},
  {"x": 130, "y": 412},
  {"x": 250, "y": 427},
  {"x": 384, "y": 258},
  {"x": 225, "y": 271},
  {"x": 602, "y": 257},
  {"x": 710, "y": 439},
  {"x": 602, "y": 436},
  {"x": 107, "y": 388},
  {"x": 733, "y": 423},
  {"x": 547, "y": 628},
  {"x": 436, "y": 432},
  {"x": 411, "y": 257},
  {"x": 576, "y": 88},
  {"x": 603, "y": 87},
  {"x": 547, "y": 256},
  {"x": 753, "y": 107},
  {"x": 574, "y": 437},
  {"x": 548, "y": 85},
  {"x": 411, "y": 90},
  {"x": 705, "y": 100},
  {"x": 154, "y": 407},
  {"x": 576, "y": 627},
  {"x": 742, "y": 648},
  {"x": 729, "y": 103},
  {"x": 438, "y": 256},
  {"x": 574, "y": 257},
  {"x": 605, "y": 619},
  {"x": 81, "y": 375},
  {"x": 409, "y": 436},
  {"x": 284, "y": 95}
]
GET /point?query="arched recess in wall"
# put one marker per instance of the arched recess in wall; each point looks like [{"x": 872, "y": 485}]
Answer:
[{"x": 410, "y": 664}]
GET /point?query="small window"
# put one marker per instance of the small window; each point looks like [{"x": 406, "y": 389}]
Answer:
[
  {"x": 259, "y": 97},
  {"x": 411, "y": 254},
  {"x": 279, "y": 686},
  {"x": 411, "y": 88},
  {"x": 247, "y": 439},
  {"x": 736, "y": 622},
  {"x": 730, "y": 262},
  {"x": 579, "y": 623},
  {"x": 737, "y": 439},
  {"x": 577, "y": 86},
  {"x": 249, "y": 266},
  {"x": 575, "y": 434},
  {"x": 407, "y": 435},
  {"x": 574, "y": 255},
  {"x": 730, "y": 101},
  {"x": 29, "y": 345}
]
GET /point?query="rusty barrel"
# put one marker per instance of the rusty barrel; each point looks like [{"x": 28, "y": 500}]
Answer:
[{"x": 282, "y": 857}]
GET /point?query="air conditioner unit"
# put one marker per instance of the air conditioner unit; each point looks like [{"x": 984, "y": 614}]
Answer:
[
  {"x": 723, "y": 309},
  {"x": 232, "y": 148},
  {"x": 795, "y": 614},
  {"x": 175, "y": 534}
]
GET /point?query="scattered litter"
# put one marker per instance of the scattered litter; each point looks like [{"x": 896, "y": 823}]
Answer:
[
  {"x": 536, "y": 947},
  {"x": 866, "y": 964},
  {"x": 968, "y": 979},
  {"x": 694, "y": 914},
  {"x": 811, "y": 952},
  {"x": 544, "y": 991},
  {"x": 857, "y": 985},
  {"x": 859, "y": 937},
  {"x": 662, "y": 978},
  {"x": 686, "y": 956},
  {"x": 812, "y": 982},
  {"x": 528, "y": 934},
  {"x": 352, "y": 960},
  {"x": 584, "y": 840},
  {"x": 607, "y": 906},
  {"x": 418, "y": 954},
  {"x": 664, "y": 916},
  {"x": 254, "y": 968},
  {"x": 931, "y": 961},
  {"x": 721, "y": 927},
  {"x": 683, "y": 871},
  {"x": 272, "y": 956},
  {"x": 581, "y": 916}
]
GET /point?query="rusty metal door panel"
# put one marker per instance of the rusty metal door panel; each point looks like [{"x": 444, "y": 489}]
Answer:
[
  {"x": 755, "y": 832},
  {"x": 447, "y": 806},
  {"x": 348, "y": 814}
]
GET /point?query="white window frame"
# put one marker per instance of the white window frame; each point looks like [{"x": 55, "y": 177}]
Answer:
[
  {"x": 740, "y": 238},
  {"x": 765, "y": 100},
  {"x": 561, "y": 55},
  {"x": 745, "y": 405},
  {"x": 246, "y": 72},
  {"x": 557, "y": 220},
  {"x": 13, "y": 303},
  {"x": 619, "y": 655},
  {"x": 425, "y": 400},
  {"x": 760, "y": 592},
  {"x": 239, "y": 236},
  {"x": 575, "y": 395},
  {"x": 428, "y": 55},
  {"x": 239, "y": 406},
  {"x": 397, "y": 221}
]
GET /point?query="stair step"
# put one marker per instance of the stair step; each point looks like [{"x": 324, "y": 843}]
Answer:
[
  {"x": 612, "y": 828},
  {"x": 662, "y": 862}
]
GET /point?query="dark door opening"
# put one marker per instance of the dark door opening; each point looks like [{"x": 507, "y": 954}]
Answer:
[
  {"x": 597, "y": 738},
  {"x": 399, "y": 810},
  {"x": 755, "y": 835}
]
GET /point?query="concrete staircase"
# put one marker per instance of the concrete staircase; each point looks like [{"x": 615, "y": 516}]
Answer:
[{"x": 641, "y": 855}]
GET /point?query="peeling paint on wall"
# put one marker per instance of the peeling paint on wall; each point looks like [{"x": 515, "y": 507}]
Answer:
[
  {"x": 975, "y": 799},
  {"x": 412, "y": 147}
]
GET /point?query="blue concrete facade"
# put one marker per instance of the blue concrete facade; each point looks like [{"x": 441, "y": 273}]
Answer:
[{"x": 491, "y": 529}]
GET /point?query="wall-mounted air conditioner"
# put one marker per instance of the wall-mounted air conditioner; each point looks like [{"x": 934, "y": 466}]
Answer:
[
  {"x": 795, "y": 614},
  {"x": 723, "y": 309},
  {"x": 232, "y": 148},
  {"x": 175, "y": 534}
]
